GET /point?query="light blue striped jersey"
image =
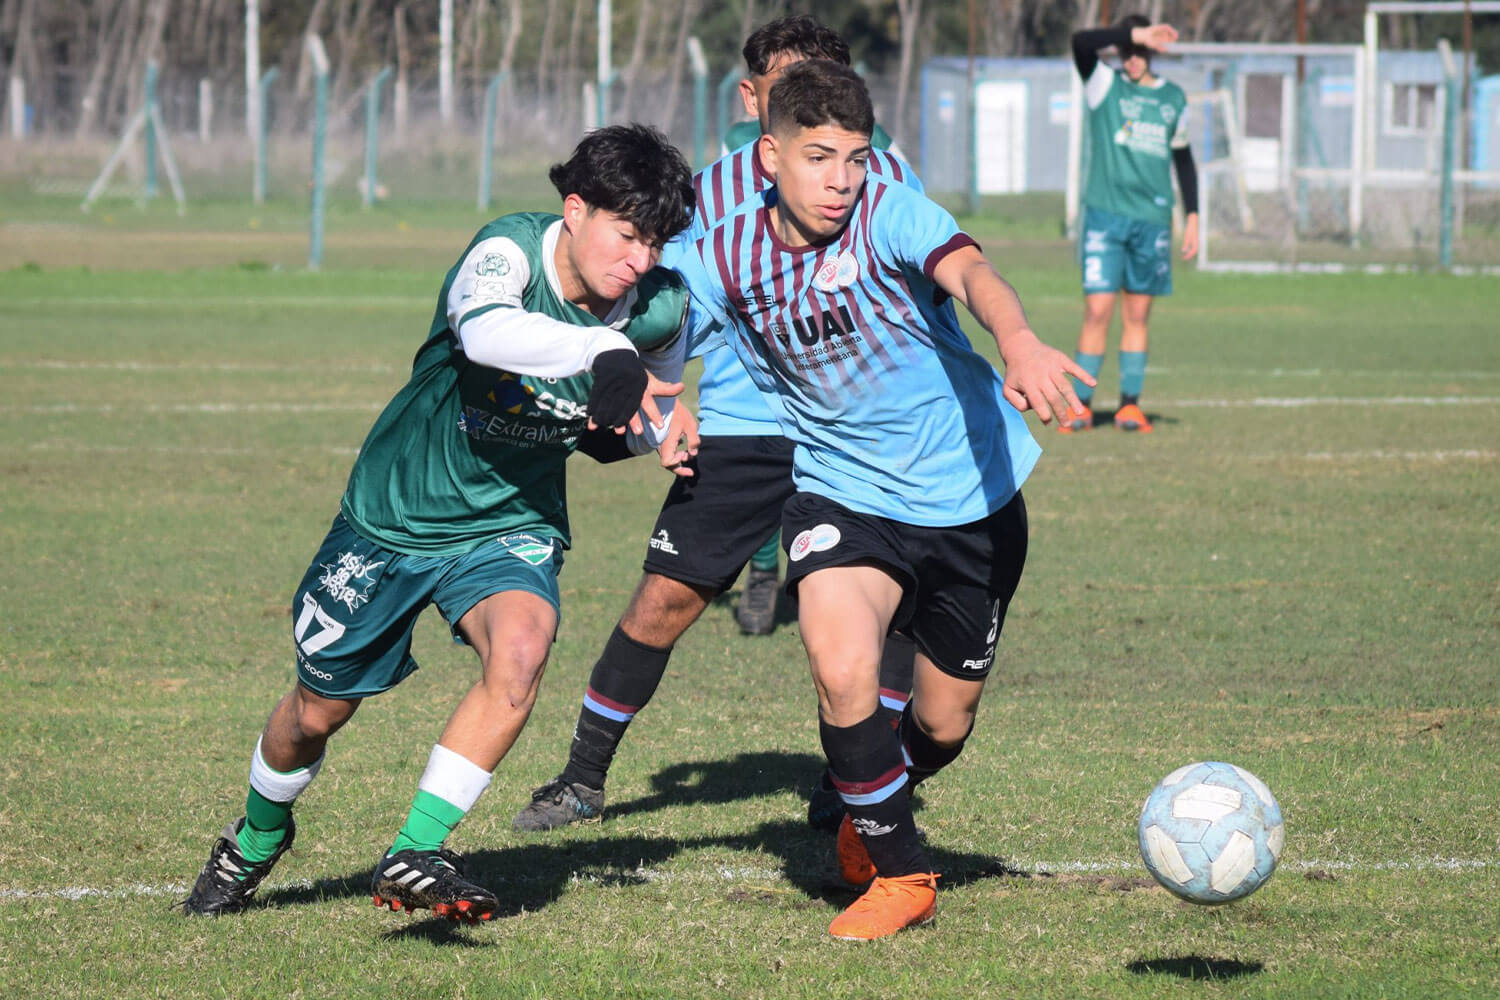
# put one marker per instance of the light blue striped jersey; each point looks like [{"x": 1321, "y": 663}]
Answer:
[
  {"x": 728, "y": 401},
  {"x": 862, "y": 358}
]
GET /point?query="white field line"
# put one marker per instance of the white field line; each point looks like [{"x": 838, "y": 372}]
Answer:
[
  {"x": 49, "y": 409},
  {"x": 1371, "y": 455},
  {"x": 1295, "y": 402},
  {"x": 721, "y": 875},
  {"x": 227, "y": 301},
  {"x": 46, "y": 364},
  {"x": 1263, "y": 402}
]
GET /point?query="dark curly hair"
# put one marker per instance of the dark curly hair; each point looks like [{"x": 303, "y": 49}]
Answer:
[
  {"x": 818, "y": 92},
  {"x": 800, "y": 35},
  {"x": 635, "y": 172},
  {"x": 1130, "y": 22}
]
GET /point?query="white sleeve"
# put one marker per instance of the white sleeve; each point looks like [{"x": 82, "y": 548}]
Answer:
[
  {"x": 666, "y": 364},
  {"x": 1096, "y": 88},
  {"x": 485, "y": 311},
  {"x": 1180, "y": 138}
]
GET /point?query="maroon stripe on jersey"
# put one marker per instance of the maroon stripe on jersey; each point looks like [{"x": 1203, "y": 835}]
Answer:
[
  {"x": 866, "y": 787},
  {"x": 886, "y": 164},
  {"x": 739, "y": 186},
  {"x": 956, "y": 242}
]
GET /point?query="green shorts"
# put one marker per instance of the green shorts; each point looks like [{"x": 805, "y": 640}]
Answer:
[
  {"x": 1119, "y": 252},
  {"x": 353, "y": 613}
]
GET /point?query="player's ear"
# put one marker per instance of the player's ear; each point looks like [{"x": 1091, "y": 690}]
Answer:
[
  {"x": 574, "y": 209},
  {"x": 747, "y": 96},
  {"x": 769, "y": 154}
]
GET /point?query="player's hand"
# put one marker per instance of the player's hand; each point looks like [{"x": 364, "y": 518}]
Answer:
[
  {"x": 1158, "y": 37},
  {"x": 647, "y": 403},
  {"x": 1036, "y": 377},
  {"x": 1190, "y": 237},
  {"x": 619, "y": 381},
  {"x": 680, "y": 446}
]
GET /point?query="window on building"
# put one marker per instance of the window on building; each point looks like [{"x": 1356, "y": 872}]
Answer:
[{"x": 1411, "y": 108}]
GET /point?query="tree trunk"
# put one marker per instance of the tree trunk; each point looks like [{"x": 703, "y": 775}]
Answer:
[
  {"x": 637, "y": 56},
  {"x": 111, "y": 28},
  {"x": 544, "y": 56},
  {"x": 400, "y": 105},
  {"x": 910, "y": 14},
  {"x": 678, "y": 59}
]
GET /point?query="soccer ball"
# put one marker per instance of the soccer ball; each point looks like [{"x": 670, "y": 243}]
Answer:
[{"x": 1211, "y": 832}]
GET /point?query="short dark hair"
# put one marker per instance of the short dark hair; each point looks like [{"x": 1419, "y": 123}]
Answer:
[
  {"x": 818, "y": 92},
  {"x": 800, "y": 35},
  {"x": 1128, "y": 23},
  {"x": 635, "y": 172}
]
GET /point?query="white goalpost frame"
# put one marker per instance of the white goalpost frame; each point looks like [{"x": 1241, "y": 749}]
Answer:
[{"x": 1225, "y": 100}]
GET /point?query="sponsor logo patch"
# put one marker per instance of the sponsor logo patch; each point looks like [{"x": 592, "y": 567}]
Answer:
[
  {"x": 837, "y": 272},
  {"x": 663, "y": 543},
  {"x": 819, "y": 538},
  {"x": 528, "y": 548}
]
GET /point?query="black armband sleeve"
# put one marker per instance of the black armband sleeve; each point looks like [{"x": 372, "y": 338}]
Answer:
[
  {"x": 1187, "y": 178},
  {"x": 1086, "y": 46},
  {"x": 603, "y": 445}
]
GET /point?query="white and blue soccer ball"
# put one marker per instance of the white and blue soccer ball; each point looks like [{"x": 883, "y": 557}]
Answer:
[{"x": 1211, "y": 832}]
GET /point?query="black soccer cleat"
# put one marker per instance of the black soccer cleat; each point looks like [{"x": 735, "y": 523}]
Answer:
[
  {"x": 756, "y": 611},
  {"x": 430, "y": 880},
  {"x": 228, "y": 881},
  {"x": 825, "y": 806},
  {"x": 558, "y": 803}
]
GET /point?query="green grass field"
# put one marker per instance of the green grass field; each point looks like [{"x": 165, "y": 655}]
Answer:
[{"x": 1297, "y": 573}]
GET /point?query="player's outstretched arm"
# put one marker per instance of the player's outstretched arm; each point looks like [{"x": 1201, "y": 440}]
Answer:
[{"x": 1036, "y": 376}]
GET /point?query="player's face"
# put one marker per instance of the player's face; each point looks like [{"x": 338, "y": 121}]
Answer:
[
  {"x": 605, "y": 255},
  {"x": 755, "y": 91},
  {"x": 1136, "y": 67},
  {"x": 819, "y": 173}
]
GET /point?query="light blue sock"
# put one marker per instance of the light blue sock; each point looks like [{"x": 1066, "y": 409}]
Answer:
[
  {"x": 1090, "y": 363},
  {"x": 1132, "y": 376}
]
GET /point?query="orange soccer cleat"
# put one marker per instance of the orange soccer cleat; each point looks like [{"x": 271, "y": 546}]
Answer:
[
  {"x": 1130, "y": 418},
  {"x": 854, "y": 861},
  {"x": 889, "y": 905},
  {"x": 1073, "y": 421}
]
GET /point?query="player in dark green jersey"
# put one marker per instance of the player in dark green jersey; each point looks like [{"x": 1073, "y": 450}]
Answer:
[
  {"x": 1137, "y": 131},
  {"x": 552, "y": 333}
]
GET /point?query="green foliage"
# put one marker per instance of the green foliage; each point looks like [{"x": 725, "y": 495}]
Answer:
[{"x": 1273, "y": 577}]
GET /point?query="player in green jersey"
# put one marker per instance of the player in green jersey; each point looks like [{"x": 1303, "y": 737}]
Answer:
[
  {"x": 1137, "y": 131},
  {"x": 552, "y": 333}
]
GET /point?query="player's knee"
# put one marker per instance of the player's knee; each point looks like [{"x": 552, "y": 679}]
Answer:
[
  {"x": 662, "y": 609},
  {"x": 318, "y": 718},
  {"x": 514, "y": 663}
]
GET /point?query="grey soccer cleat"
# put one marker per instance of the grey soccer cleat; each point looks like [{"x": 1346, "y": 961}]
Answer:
[
  {"x": 756, "y": 611},
  {"x": 558, "y": 803}
]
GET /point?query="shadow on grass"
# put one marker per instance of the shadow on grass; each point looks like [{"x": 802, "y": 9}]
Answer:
[
  {"x": 528, "y": 876},
  {"x": 744, "y": 776},
  {"x": 1195, "y": 967}
]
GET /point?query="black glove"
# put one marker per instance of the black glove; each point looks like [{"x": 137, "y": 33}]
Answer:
[{"x": 619, "y": 384}]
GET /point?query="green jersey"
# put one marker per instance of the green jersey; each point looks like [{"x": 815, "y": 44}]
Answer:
[
  {"x": 468, "y": 451},
  {"x": 1133, "y": 129}
]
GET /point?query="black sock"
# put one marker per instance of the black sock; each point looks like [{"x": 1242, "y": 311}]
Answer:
[
  {"x": 1128, "y": 400},
  {"x": 622, "y": 682},
  {"x": 896, "y": 665},
  {"x": 870, "y": 774},
  {"x": 924, "y": 757}
]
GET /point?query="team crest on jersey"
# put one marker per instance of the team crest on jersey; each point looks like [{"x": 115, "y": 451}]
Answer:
[
  {"x": 819, "y": 538},
  {"x": 494, "y": 265},
  {"x": 528, "y": 548},
  {"x": 1168, "y": 113},
  {"x": 837, "y": 272},
  {"x": 348, "y": 579}
]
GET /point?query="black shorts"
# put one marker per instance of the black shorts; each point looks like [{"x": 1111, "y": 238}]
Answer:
[
  {"x": 956, "y": 582},
  {"x": 711, "y": 523}
]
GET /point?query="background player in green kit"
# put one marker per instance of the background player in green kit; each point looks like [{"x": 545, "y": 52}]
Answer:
[
  {"x": 549, "y": 329},
  {"x": 1137, "y": 130}
]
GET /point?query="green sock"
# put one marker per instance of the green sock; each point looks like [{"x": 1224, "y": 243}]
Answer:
[
  {"x": 1132, "y": 375},
  {"x": 767, "y": 557},
  {"x": 428, "y": 824},
  {"x": 265, "y": 826},
  {"x": 1090, "y": 363}
]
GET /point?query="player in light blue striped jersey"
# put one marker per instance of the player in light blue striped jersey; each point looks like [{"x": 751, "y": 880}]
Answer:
[{"x": 834, "y": 289}]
